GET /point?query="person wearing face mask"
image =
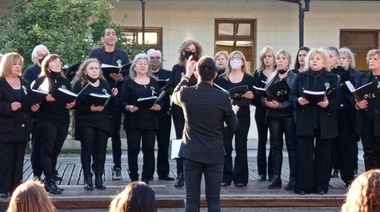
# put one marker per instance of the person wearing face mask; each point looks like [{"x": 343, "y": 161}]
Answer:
[
  {"x": 164, "y": 116},
  {"x": 299, "y": 64},
  {"x": 280, "y": 119},
  {"x": 30, "y": 74},
  {"x": 53, "y": 118},
  {"x": 93, "y": 122},
  {"x": 260, "y": 76},
  {"x": 221, "y": 58},
  {"x": 343, "y": 147},
  {"x": 316, "y": 124},
  {"x": 187, "y": 48},
  {"x": 237, "y": 75}
]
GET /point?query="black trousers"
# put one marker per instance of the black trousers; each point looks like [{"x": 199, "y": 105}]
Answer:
[
  {"x": 262, "y": 131},
  {"x": 93, "y": 142},
  {"x": 147, "y": 139},
  {"x": 343, "y": 147},
  {"x": 163, "y": 138},
  {"x": 193, "y": 177},
  {"x": 11, "y": 166},
  {"x": 115, "y": 135},
  {"x": 313, "y": 163},
  {"x": 35, "y": 156},
  {"x": 371, "y": 146},
  {"x": 238, "y": 173},
  {"x": 277, "y": 127},
  {"x": 179, "y": 124},
  {"x": 52, "y": 138}
]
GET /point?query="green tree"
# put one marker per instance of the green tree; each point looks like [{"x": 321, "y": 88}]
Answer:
[{"x": 70, "y": 28}]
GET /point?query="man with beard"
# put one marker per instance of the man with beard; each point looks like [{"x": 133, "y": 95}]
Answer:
[{"x": 164, "y": 117}]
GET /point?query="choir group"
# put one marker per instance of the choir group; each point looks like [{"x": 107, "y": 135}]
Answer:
[{"x": 311, "y": 106}]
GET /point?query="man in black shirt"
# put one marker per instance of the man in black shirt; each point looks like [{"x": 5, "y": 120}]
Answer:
[
  {"x": 111, "y": 55},
  {"x": 164, "y": 117}
]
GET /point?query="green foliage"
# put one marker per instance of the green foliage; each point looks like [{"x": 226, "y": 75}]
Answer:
[{"x": 70, "y": 28}]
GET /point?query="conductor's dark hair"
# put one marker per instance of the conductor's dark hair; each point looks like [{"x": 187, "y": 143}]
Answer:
[
  {"x": 206, "y": 68},
  {"x": 104, "y": 31}
]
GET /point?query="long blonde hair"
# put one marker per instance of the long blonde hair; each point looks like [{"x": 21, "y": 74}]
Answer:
[
  {"x": 321, "y": 52},
  {"x": 244, "y": 68},
  {"x": 30, "y": 197},
  {"x": 7, "y": 61},
  {"x": 364, "y": 193}
]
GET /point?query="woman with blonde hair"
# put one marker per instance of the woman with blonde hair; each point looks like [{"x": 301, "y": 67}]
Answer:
[
  {"x": 266, "y": 68},
  {"x": 236, "y": 75},
  {"x": 30, "y": 197},
  {"x": 136, "y": 197},
  {"x": 363, "y": 194}
]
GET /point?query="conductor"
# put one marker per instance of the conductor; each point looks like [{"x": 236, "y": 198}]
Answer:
[{"x": 206, "y": 111}]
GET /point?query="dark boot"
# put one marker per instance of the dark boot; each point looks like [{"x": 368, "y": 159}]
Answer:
[
  {"x": 51, "y": 187},
  {"x": 292, "y": 184},
  {"x": 99, "y": 181},
  {"x": 88, "y": 183},
  {"x": 292, "y": 168},
  {"x": 180, "y": 181},
  {"x": 276, "y": 183}
]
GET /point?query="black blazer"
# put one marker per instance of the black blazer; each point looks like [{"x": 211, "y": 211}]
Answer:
[
  {"x": 14, "y": 125},
  {"x": 206, "y": 110},
  {"x": 309, "y": 115},
  {"x": 364, "y": 79}
]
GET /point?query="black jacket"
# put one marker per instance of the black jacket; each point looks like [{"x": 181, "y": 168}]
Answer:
[
  {"x": 309, "y": 116},
  {"x": 206, "y": 111},
  {"x": 15, "y": 126}
]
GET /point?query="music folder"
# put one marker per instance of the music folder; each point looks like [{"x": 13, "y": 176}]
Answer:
[
  {"x": 64, "y": 96},
  {"x": 108, "y": 69},
  {"x": 146, "y": 102},
  {"x": 278, "y": 91},
  {"x": 31, "y": 98},
  {"x": 160, "y": 97},
  {"x": 95, "y": 99},
  {"x": 313, "y": 96},
  {"x": 162, "y": 82},
  {"x": 238, "y": 91},
  {"x": 367, "y": 91}
]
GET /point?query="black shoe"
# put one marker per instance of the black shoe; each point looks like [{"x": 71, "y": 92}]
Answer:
[
  {"x": 262, "y": 177},
  {"x": 116, "y": 174},
  {"x": 3, "y": 195},
  {"x": 52, "y": 188},
  {"x": 180, "y": 181},
  {"x": 276, "y": 183},
  {"x": 88, "y": 184},
  {"x": 57, "y": 178},
  {"x": 99, "y": 181},
  {"x": 146, "y": 181},
  {"x": 167, "y": 178},
  {"x": 225, "y": 184},
  {"x": 334, "y": 174},
  {"x": 321, "y": 191},
  {"x": 240, "y": 184},
  {"x": 270, "y": 178},
  {"x": 290, "y": 186},
  {"x": 302, "y": 193}
]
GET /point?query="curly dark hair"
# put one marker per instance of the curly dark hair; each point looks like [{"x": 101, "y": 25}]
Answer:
[{"x": 184, "y": 45}]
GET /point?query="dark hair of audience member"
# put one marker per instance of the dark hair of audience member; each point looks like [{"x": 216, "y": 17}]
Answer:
[{"x": 206, "y": 68}]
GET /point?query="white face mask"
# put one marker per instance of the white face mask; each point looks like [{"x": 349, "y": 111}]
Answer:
[{"x": 235, "y": 64}]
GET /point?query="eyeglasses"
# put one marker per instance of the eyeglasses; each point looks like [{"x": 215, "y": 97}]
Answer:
[
  {"x": 157, "y": 58},
  {"x": 235, "y": 59},
  {"x": 56, "y": 62}
]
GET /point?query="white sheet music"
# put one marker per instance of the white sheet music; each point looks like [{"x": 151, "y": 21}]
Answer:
[{"x": 175, "y": 146}]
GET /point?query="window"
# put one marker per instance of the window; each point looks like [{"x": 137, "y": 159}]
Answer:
[
  {"x": 360, "y": 42},
  {"x": 153, "y": 36},
  {"x": 237, "y": 34}
]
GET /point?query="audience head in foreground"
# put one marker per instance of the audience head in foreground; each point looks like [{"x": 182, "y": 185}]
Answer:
[
  {"x": 30, "y": 197},
  {"x": 136, "y": 197},
  {"x": 364, "y": 193}
]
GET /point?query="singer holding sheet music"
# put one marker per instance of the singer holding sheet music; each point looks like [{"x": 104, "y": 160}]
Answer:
[
  {"x": 188, "y": 48},
  {"x": 368, "y": 118},
  {"x": 260, "y": 76},
  {"x": 53, "y": 118},
  {"x": 15, "y": 124},
  {"x": 111, "y": 55},
  {"x": 314, "y": 122},
  {"x": 164, "y": 116},
  {"x": 140, "y": 124},
  {"x": 93, "y": 123},
  {"x": 280, "y": 120},
  {"x": 237, "y": 74}
]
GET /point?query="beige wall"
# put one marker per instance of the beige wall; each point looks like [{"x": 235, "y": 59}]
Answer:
[{"x": 277, "y": 21}]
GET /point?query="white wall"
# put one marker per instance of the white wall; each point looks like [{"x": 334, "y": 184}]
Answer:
[{"x": 277, "y": 21}]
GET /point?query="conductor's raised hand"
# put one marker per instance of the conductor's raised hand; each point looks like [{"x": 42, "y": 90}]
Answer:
[{"x": 190, "y": 66}]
